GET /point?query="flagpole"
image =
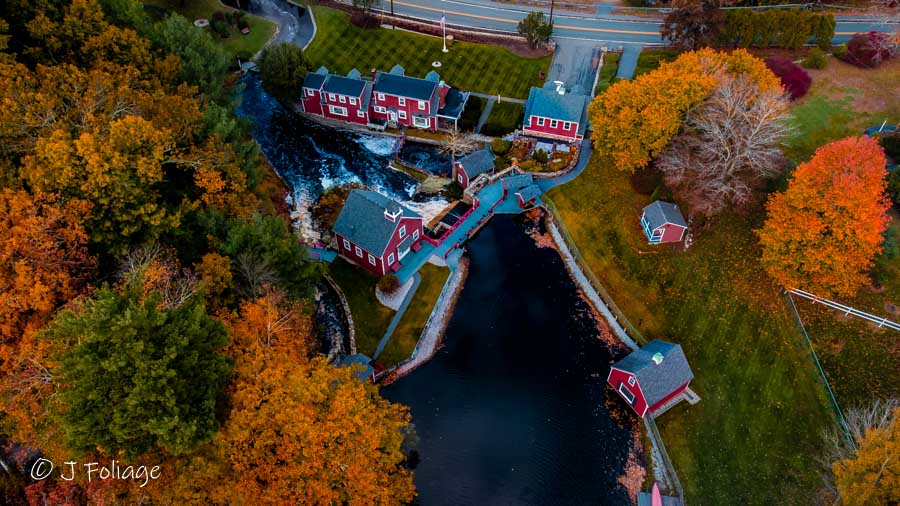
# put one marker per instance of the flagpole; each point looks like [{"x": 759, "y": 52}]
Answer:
[{"x": 444, "y": 27}]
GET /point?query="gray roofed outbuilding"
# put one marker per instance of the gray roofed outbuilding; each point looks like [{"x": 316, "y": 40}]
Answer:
[
  {"x": 362, "y": 220},
  {"x": 657, "y": 380},
  {"x": 404, "y": 86},
  {"x": 658, "y": 213},
  {"x": 477, "y": 162},
  {"x": 548, "y": 103}
]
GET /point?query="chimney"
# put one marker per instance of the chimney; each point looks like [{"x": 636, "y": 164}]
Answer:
[
  {"x": 392, "y": 217},
  {"x": 374, "y": 71},
  {"x": 657, "y": 358}
]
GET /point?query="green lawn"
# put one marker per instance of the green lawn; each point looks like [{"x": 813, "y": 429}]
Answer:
[
  {"x": 472, "y": 113},
  {"x": 650, "y": 59},
  {"x": 407, "y": 333},
  {"x": 503, "y": 119},
  {"x": 341, "y": 46},
  {"x": 370, "y": 317},
  {"x": 607, "y": 72},
  {"x": 237, "y": 44},
  {"x": 754, "y": 436}
]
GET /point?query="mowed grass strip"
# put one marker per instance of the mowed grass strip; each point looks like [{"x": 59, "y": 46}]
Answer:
[
  {"x": 651, "y": 59},
  {"x": 402, "y": 342},
  {"x": 754, "y": 436},
  {"x": 503, "y": 119},
  {"x": 370, "y": 317},
  {"x": 340, "y": 46}
]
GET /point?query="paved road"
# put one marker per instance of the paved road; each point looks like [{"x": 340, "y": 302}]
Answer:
[
  {"x": 292, "y": 28},
  {"x": 611, "y": 29}
]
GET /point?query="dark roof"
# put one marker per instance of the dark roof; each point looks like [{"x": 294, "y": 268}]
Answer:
[
  {"x": 657, "y": 380},
  {"x": 404, "y": 86},
  {"x": 358, "y": 359},
  {"x": 550, "y": 104},
  {"x": 313, "y": 80},
  {"x": 477, "y": 162},
  {"x": 362, "y": 220},
  {"x": 454, "y": 103},
  {"x": 659, "y": 213},
  {"x": 516, "y": 182},
  {"x": 367, "y": 97},
  {"x": 344, "y": 86},
  {"x": 646, "y": 499},
  {"x": 530, "y": 192}
]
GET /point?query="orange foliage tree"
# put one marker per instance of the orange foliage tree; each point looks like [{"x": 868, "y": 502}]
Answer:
[
  {"x": 635, "y": 119},
  {"x": 872, "y": 475},
  {"x": 823, "y": 233}
]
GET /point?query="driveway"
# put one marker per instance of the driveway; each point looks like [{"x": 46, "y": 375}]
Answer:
[
  {"x": 292, "y": 28},
  {"x": 575, "y": 63}
]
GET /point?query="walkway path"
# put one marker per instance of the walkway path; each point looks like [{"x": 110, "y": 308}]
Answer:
[
  {"x": 417, "y": 279},
  {"x": 485, "y": 114},
  {"x": 628, "y": 61},
  {"x": 494, "y": 97}
]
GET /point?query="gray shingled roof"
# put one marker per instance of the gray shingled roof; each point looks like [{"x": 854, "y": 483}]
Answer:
[
  {"x": 477, "y": 162},
  {"x": 550, "y": 104},
  {"x": 530, "y": 192},
  {"x": 362, "y": 220},
  {"x": 313, "y": 80},
  {"x": 344, "y": 86},
  {"x": 658, "y": 213},
  {"x": 404, "y": 86},
  {"x": 516, "y": 182},
  {"x": 454, "y": 103},
  {"x": 657, "y": 381}
]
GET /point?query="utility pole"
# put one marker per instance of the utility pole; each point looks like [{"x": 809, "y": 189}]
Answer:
[{"x": 551, "y": 10}]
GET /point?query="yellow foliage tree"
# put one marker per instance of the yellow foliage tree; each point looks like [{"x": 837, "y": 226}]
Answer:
[
  {"x": 872, "y": 476},
  {"x": 634, "y": 120}
]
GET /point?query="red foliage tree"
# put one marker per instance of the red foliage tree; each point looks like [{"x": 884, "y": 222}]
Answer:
[
  {"x": 869, "y": 49},
  {"x": 794, "y": 79}
]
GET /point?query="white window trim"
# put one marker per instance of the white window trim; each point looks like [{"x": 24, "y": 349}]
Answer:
[
  {"x": 627, "y": 394},
  {"x": 371, "y": 259},
  {"x": 540, "y": 121},
  {"x": 631, "y": 381},
  {"x": 380, "y": 110},
  {"x": 346, "y": 244},
  {"x": 426, "y": 122},
  {"x": 337, "y": 110},
  {"x": 379, "y": 96},
  {"x": 401, "y": 114},
  {"x": 459, "y": 178},
  {"x": 401, "y": 101},
  {"x": 554, "y": 123},
  {"x": 391, "y": 259},
  {"x": 402, "y": 231},
  {"x": 331, "y": 97},
  {"x": 342, "y": 99},
  {"x": 567, "y": 125},
  {"x": 352, "y": 101},
  {"x": 359, "y": 251},
  {"x": 415, "y": 234},
  {"x": 361, "y": 113},
  {"x": 421, "y": 105}
]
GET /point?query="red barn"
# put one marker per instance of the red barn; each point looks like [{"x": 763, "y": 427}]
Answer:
[
  {"x": 662, "y": 222},
  {"x": 472, "y": 165},
  {"x": 553, "y": 113},
  {"x": 652, "y": 379},
  {"x": 337, "y": 97},
  {"x": 408, "y": 101},
  {"x": 376, "y": 232}
]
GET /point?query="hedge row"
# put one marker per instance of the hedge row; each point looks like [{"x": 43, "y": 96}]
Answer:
[{"x": 782, "y": 28}]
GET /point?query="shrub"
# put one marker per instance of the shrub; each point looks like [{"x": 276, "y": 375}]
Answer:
[
  {"x": 869, "y": 50},
  {"x": 891, "y": 145},
  {"x": 893, "y": 186},
  {"x": 840, "y": 51},
  {"x": 540, "y": 156},
  {"x": 816, "y": 59},
  {"x": 500, "y": 147},
  {"x": 364, "y": 20},
  {"x": 789, "y": 29},
  {"x": 220, "y": 28},
  {"x": 218, "y": 16},
  {"x": 388, "y": 283},
  {"x": 794, "y": 79},
  {"x": 454, "y": 191}
]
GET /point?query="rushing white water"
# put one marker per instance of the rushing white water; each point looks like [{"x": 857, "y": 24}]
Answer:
[{"x": 380, "y": 145}]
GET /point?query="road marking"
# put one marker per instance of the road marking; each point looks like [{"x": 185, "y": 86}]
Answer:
[{"x": 514, "y": 22}]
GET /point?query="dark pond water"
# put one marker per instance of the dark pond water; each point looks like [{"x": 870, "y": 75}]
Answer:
[
  {"x": 313, "y": 157},
  {"x": 514, "y": 409},
  {"x": 425, "y": 157}
]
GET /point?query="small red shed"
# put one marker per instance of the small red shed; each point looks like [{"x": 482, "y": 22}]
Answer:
[
  {"x": 653, "y": 378},
  {"x": 662, "y": 222},
  {"x": 470, "y": 166}
]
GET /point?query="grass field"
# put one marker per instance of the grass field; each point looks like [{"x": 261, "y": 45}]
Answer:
[
  {"x": 650, "y": 59},
  {"x": 370, "y": 317},
  {"x": 341, "y": 46},
  {"x": 607, "y": 72},
  {"x": 472, "y": 113},
  {"x": 407, "y": 333},
  {"x": 753, "y": 437},
  {"x": 237, "y": 44},
  {"x": 503, "y": 119}
]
